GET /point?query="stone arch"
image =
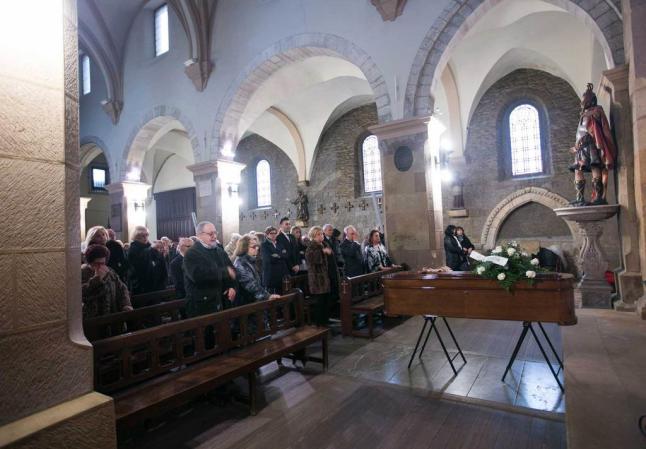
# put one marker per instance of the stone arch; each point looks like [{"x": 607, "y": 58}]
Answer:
[
  {"x": 511, "y": 202},
  {"x": 141, "y": 135},
  {"x": 89, "y": 145},
  {"x": 603, "y": 18},
  {"x": 282, "y": 53}
]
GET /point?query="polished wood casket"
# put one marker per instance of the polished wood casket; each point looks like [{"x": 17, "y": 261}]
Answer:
[{"x": 466, "y": 295}]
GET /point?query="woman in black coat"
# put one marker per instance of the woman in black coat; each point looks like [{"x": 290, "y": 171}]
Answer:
[
  {"x": 250, "y": 285},
  {"x": 466, "y": 244},
  {"x": 454, "y": 254},
  {"x": 274, "y": 262}
]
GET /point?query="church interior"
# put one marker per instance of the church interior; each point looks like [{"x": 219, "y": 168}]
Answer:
[{"x": 422, "y": 224}]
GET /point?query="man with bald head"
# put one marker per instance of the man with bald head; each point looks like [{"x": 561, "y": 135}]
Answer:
[
  {"x": 351, "y": 252},
  {"x": 209, "y": 279}
]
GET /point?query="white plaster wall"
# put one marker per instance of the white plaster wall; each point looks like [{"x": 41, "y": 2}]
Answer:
[{"x": 244, "y": 28}]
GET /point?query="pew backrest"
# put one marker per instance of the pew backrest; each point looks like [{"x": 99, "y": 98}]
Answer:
[
  {"x": 144, "y": 317},
  {"x": 125, "y": 360},
  {"x": 358, "y": 288},
  {"x": 152, "y": 298},
  {"x": 299, "y": 281}
]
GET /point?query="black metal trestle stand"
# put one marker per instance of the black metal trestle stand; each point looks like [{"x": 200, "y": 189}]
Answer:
[
  {"x": 431, "y": 319},
  {"x": 527, "y": 327}
]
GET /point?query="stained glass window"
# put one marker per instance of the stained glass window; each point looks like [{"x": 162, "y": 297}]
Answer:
[
  {"x": 525, "y": 139},
  {"x": 371, "y": 165},
  {"x": 263, "y": 183},
  {"x": 161, "y": 30},
  {"x": 85, "y": 74}
]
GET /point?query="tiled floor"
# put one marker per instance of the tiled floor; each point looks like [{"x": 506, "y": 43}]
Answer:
[{"x": 487, "y": 346}]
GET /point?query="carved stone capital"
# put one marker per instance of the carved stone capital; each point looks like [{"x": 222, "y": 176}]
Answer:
[
  {"x": 389, "y": 9},
  {"x": 113, "y": 109},
  {"x": 198, "y": 71}
]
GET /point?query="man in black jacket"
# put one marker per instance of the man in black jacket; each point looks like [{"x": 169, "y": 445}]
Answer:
[
  {"x": 351, "y": 252},
  {"x": 287, "y": 245},
  {"x": 209, "y": 278},
  {"x": 147, "y": 268}
]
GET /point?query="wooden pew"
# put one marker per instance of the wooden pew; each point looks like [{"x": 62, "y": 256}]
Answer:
[
  {"x": 141, "y": 318},
  {"x": 151, "y": 371},
  {"x": 362, "y": 295},
  {"x": 300, "y": 282},
  {"x": 152, "y": 298}
]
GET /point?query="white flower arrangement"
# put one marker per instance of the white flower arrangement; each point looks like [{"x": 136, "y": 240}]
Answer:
[{"x": 519, "y": 266}]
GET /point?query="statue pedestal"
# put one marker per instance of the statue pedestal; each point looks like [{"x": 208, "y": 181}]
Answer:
[{"x": 593, "y": 288}]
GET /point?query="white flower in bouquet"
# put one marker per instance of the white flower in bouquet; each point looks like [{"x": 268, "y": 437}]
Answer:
[
  {"x": 501, "y": 276},
  {"x": 513, "y": 243},
  {"x": 530, "y": 274},
  {"x": 534, "y": 262},
  {"x": 497, "y": 250},
  {"x": 511, "y": 251},
  {"x": 524, "y": 254},
  {"x": 480, "y": 269}
]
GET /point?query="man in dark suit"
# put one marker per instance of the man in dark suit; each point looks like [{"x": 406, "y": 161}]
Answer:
[
  {"x": 274, "y": 262},
  {"x": 177, "y": 267},
  {"x": 287, "y": 244},
  {"x": 209, "y": 279},
  {"x": 351, "y": 252}
]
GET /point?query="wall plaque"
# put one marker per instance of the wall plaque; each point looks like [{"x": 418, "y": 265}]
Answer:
[{"x": 403, "y": 158}]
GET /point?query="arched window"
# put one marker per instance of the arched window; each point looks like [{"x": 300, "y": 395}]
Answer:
[
  {"x": 525, "y": 140},
  {"x": 371, "y": 163},
  {"x": 263, "y": 183}
]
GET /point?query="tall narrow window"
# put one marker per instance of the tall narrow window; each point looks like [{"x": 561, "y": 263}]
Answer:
[
  {"x": 98, "y": 179},
  {"x": 161, "y": 30},
  {"x": 263, "y": 183},
  {"x": 85, "y": 69},
  {"x": 371, "y": 165},
  {"x": 525, "y": 140}
]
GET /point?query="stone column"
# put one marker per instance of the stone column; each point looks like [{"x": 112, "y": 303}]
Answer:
[
  {"x": 46, "y": 383},
  {"x": 614, "y": 84},
  {"x": 634, "y": 13},
  {"x": 217, "y": 194},
  {"x": 412, "y": 192},
  {"x": 127, "y": 207}
]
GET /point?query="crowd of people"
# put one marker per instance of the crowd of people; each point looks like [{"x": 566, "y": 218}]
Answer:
[{"x": 215, "y": 277}]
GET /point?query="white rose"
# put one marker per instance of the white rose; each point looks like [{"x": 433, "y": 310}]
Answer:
[
  {"x": 530, "y": 274},
  {"x": 534, "y": 262},
  {"x": 502, "y": 276},
  {"x": 480, "y": 269},
  {"x": 524, "y": 254},
  {"x": 513, "y": 243},
  {"x": 511, "y": 251},
  {"x": 497, "y": 250}
]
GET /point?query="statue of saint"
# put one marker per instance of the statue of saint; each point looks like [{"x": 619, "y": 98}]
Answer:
[
  {"x": 300, "y": 202},
  {"x": 594, "y": 151}
]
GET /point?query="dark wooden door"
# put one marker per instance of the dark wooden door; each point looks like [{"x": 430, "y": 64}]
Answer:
[{"x": 174, "y": 213}]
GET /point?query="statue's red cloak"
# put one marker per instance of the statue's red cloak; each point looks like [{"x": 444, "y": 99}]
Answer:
[{"x": 599, "y": 128}]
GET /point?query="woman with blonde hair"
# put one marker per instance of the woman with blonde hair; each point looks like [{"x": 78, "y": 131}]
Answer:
[
  {"x": 96, "y": 235},
  {"x": 318, "y": 278}
]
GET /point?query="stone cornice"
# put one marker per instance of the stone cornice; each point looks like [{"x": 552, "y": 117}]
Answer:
[
  {"x": 615, "y": 80},
  {"x": 401, "y": 128},
  {"x": 204, "y": 168}
]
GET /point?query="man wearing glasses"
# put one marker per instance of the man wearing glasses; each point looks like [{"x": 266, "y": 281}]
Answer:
[
  {"x": 287, "y": 245},
  {"x": 209, "y": 278}
]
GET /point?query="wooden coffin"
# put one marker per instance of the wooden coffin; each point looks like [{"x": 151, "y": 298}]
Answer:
[{"x": 466, "y": 295}]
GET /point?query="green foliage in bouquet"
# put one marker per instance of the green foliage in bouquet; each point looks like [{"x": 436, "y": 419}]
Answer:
[{"x": 520, "y": 266}]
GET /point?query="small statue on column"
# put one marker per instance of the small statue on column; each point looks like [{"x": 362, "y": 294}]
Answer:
[
  {"x": 594, "y": 151},
  {"x": 302, "y": 212}
]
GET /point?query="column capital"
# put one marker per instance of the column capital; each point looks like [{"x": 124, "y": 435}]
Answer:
[
  {"x": 129, "y": 189},
  {"x": 401, "y": 128},
  {"x": 204, "y": 168},
  {"x": 614, "y": 80}
]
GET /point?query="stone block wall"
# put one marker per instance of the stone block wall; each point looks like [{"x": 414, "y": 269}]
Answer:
[
  {"x": 485, "y": 185},
  {"x": 335, "y": 179}
]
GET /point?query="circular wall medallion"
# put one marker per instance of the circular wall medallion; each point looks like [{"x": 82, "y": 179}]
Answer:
[{"x": 403, "y": 158}]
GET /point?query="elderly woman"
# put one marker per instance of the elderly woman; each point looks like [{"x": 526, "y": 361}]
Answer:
[
  {"x": 251, "y": 288},
  {"x": 102, "y": 290},
  {"x": 231, "y": 247},
  {"x": 318, "y": 277},
  {"x": 274, "y": 262},
  {"x": 377, "y": 258}
]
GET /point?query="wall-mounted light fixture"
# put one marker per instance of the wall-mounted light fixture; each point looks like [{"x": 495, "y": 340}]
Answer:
[
  {"x": 139, "y": 205},
  {"x": 232, "y": 189}
]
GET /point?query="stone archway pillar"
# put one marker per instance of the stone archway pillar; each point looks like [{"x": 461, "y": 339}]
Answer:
[
  {"x": 629, "y": 279},
  {"x": 84, "y": 200},
  {"x": 635, "y": 39},
  {"x": 412, "y": 198},
  {"x": 217, "y": 184},
  {"x": 127, "y": 207},
  {"x": 46, "y": 381}
]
